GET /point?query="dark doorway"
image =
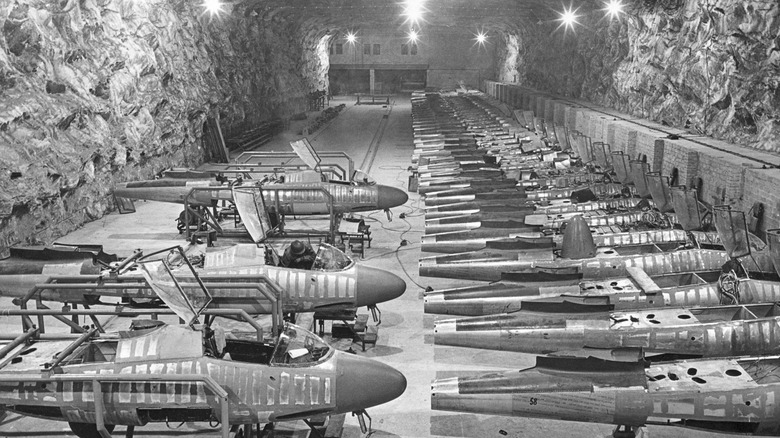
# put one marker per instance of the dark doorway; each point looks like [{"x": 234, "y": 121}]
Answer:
[
  {"x": 401, "y": 81},
  {"x": 349, "y": 81}
]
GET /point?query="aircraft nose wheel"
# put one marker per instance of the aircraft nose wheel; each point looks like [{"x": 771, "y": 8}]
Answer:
[
  {"x": 624, "y": 431},
  {"x": 88, "y": 430},
  {"x": 248, "y": 431}
]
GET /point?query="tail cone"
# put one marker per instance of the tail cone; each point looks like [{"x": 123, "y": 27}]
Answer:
[{"x": 578, "y": 240}]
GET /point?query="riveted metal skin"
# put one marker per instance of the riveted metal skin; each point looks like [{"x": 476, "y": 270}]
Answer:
[
  {"x": 617, "y": 298},
  {"x": 489, "y": 264},
  {"x": 577, "y": 300},
  {"x": 707, "y": 394},
  {"x": 699, "y": 331},
  {"x": 263, "y": 386},
  {"x": 301, "y": 198},
  {"x": 304, "y": 290},
  {"x": 476, "y": 239}
]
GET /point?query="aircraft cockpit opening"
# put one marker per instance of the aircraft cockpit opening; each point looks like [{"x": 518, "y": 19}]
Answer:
[
  {"x": 301, "y": 255},
  {"x": 361, "y": 178},
  {"x": 294, "y": 346},
  {"x": 299, "y": 347},
  {"x": 330, "y": 258}
]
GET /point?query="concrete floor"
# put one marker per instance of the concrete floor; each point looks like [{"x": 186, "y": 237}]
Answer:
[{"x": 405, "y": 335}]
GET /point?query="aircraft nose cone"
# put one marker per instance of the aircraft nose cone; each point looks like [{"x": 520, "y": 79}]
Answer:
[
  {"x": 363, "y": 383},
  {"x": 389, "y": 197},
  {"x": 377, "y": 286}
]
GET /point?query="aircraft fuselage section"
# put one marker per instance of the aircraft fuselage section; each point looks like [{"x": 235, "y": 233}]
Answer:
[
  {"x": 291, "y": 198},
  {"x": 701, "y": 394},
  {"x": 304, "y": 290},
  {"x": 257, "y": 393}
]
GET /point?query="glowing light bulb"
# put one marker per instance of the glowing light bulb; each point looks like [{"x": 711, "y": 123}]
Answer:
[
  {"x": 213, "y": 7},
  {"x": 413, "y": 36},
  {"x": 414, "y": 10},
  {"x": 614, "y": 8},
  {"x": 351, "y": 38},
  {"x": 568, "y": 18}
]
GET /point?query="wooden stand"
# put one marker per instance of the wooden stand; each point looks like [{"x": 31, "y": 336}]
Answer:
[{"x": 359, "y": 331}]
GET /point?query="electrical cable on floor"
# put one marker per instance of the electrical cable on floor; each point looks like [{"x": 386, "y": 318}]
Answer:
[
  {"x": 403, "y": 268},
  {"x": 416, "y": 203},
  {"x": 407, "y": 230},
  {"x": 404, "y": 242},
  {"x": 400, "y": 248},
  {"x": 382, "y": 225},
  {"x": 410, "y": 213},
  {"x": 414, "y": 210}
]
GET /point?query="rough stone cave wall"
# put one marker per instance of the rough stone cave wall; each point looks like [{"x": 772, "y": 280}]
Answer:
[
  {"x": 98, "y": 92},
  {"x": 317, "y": 60},
  {"x": 507, "y": 53},
  {"x": 709, "y": 66}
]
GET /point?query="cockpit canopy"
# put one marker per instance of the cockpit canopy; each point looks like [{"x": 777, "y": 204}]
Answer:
[
  {"x": 295, "y": 346},
  {"x": 360, "y": 178},
  {"x": 330, "y": 258},
  {"x": 299, "y": 347}
]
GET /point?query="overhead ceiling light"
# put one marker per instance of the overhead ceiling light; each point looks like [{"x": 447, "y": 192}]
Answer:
[
  {"x": 613, "y": 9},
  {"x": 568, "y": 18},
  {"x": 413, "y": 10},
  {"x": 351, "y": 38},
  {"x": 213, "y": 7},
  {"x": 413, "y": 36}
]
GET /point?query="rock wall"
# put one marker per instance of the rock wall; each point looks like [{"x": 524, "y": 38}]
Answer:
[
  {"x": 97, "y": 92},
  {"x": 317, "y": 60},
  {"x": 709, "y": 66},
  {"x": 508, "y": 51}
]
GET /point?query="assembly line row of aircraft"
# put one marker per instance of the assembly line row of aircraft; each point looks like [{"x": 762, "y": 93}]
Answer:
[
  {"x": 650, "y": 306},
  {"x": 96, "y": 379}
]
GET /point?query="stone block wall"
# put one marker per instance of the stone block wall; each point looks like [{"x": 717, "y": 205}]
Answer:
[
  {"x": 761, "y": 186},
  {"x": 570, "y": 116},
  {"x": 648, "y": 145},
  {"x": 622, "y": 137},
  {"x": 723, "y": 178},
  {"x": 731, "y": 174}
]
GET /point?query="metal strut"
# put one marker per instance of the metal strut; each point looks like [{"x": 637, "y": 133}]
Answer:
[
  {"x": 361, "y": 416},
  {"x": 626, "y": 431}
]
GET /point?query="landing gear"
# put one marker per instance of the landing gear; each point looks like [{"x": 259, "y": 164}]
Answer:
[
  {"x": 252, "y": 431},
  {"x": 314, "y": 426},
  {"x": 88, "y": 430},
  {"x": 361, "y": 416},
  {"x": 242, "y": 431},
  {"x": 625, "y": 431}
]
